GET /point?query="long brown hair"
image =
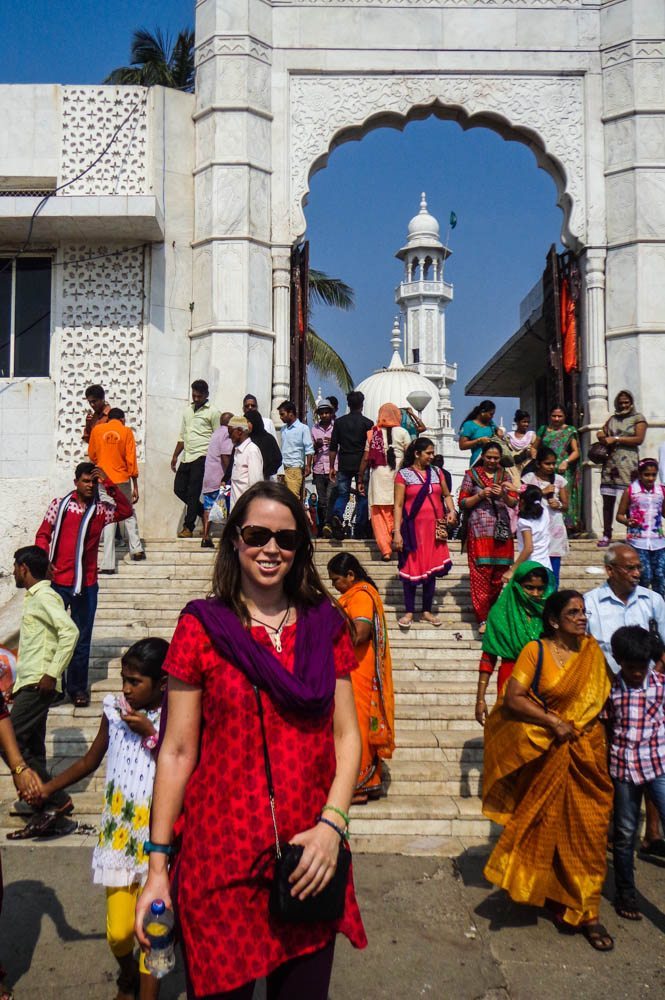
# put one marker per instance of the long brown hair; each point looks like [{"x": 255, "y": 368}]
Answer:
[{"x": 302, "y": 584}]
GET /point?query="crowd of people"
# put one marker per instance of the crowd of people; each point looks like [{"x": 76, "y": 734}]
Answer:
[{"x": 281, "y": 697}]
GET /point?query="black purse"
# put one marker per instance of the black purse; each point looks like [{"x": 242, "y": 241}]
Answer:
[
  {"x": 326, "y": 905},
  {"x": 502, "y": 532}
]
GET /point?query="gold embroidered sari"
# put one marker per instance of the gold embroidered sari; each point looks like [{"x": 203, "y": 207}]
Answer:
[{"x": 554, "y": 800}]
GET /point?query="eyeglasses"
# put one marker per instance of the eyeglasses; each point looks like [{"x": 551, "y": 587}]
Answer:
[{"x": 256, "y": 536}]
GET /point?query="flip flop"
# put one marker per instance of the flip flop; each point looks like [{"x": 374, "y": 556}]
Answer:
[
  {"x": 405, "y": 623},
  {"x": 598, "y": 936},
  {"x": 434, "y": 622}
]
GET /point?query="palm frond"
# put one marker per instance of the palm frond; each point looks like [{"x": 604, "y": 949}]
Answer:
[
  {"x": 182, "y": 61},
  {"x": 124, "y": 75},
  {"x": 157, "y": 60},
  {"x": 327, "y": 361},
  {"x": 150, "y": 47},
  {"x": 330, "y": 291}
]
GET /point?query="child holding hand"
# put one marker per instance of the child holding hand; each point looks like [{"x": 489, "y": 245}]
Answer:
[{"x": 127, "y": 736}]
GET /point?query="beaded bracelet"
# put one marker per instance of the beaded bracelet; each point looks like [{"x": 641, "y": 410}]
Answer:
[
  {"x": 340, "y": 812},
  {"x": 343, "y": 835}
]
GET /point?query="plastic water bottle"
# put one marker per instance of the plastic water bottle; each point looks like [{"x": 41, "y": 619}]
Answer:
[{"x": 159, "y": 929}]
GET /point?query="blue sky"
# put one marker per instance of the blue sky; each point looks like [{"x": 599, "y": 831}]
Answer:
[{"x": 360, "y": 204}]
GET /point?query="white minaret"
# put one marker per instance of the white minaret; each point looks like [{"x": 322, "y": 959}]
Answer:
[{"x": 422, "y": 296}]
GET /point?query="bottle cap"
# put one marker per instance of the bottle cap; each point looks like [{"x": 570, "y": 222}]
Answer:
[{"x": 157, "y": 907}]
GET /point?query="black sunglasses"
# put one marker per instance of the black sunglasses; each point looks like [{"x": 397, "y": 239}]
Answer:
[{"x": 255, "y": 535}]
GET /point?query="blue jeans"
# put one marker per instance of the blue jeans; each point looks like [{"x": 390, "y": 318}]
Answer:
[
  {"x": 556, "y": 567},
  {"x": 627, "y": 801},
  {"x": 83, "y": 608},
  {"x": 653, "y": 569},
  {"x": 343, "y": 485}
]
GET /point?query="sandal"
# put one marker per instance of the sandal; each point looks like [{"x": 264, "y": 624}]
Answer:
[
  {"x": 6, "y": 993},
  {"x": 655, "y": 848},
  {"x": 81, "y": 699},
  {"x": 405, "y": 622},
  {"x": 627, "y": 910},
  {"x": 359, "y": 799},
  {"x": 598, "y": 936},
  {"x": 43, "y": 824},
  {"x": 433, "y": 621}
]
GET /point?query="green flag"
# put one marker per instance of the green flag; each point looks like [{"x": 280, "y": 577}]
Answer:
[{"x": 453, "y": 220}]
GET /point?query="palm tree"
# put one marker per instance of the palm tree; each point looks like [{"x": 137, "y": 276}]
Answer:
[
  {"x": 324, "y": 358},
  {"x": 156, "y": 59}
]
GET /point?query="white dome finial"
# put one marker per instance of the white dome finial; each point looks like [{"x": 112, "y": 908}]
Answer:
[
  {"x": 396, "y": 335},
  {"x": 396, "y": 343},
  {"x": 423, "y": 203}
]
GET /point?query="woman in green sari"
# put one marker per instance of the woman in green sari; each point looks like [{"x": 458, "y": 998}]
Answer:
[
  {"x": 562, "y": 438},
  {"x": 515, "y": 619}
]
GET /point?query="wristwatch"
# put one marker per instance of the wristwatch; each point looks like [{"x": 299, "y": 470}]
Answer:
[{"x": 20, "y": 768}]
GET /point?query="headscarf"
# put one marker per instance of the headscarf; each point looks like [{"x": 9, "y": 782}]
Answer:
[
  {"x": 624, "y": 392},
  {"x": 516, "y": 618},
  {"x": 389, "y": 416},
  {"x": 265, "y": 442}
]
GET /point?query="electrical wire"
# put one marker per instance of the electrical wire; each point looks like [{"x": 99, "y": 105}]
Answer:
[{"x": 50, "y": 194}]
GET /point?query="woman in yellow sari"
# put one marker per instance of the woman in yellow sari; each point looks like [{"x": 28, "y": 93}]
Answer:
[
  {"x": 372, "y": 681},
  {"x": 546, "y": 778}
]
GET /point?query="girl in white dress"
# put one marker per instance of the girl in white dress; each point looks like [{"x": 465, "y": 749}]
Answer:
[
  {"x": 555, "y": 495},
  {"x": 533, "y": 531},
  {"x": 127, "y": 737}
]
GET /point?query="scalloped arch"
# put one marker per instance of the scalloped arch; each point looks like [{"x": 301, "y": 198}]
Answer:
[{"x": 544, "y": 113}]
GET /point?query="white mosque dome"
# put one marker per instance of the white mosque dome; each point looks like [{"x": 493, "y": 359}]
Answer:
[
  {"x": 424, "y": 229},
  {"x": 395, "y": 383}
]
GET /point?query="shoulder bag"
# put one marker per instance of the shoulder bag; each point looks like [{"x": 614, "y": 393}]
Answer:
[{"x": 326, "y": 905}]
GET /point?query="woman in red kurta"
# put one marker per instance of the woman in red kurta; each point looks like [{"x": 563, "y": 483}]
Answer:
[{"x": 218, "y": 783}]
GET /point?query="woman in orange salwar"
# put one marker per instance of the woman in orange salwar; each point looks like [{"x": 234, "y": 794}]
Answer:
[
  {"x": 546, "y": 777},
  {"x": 372, "y": 680}
]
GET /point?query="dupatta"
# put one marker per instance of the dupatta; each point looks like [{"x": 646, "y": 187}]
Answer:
[{"x": 310, "y": 689}]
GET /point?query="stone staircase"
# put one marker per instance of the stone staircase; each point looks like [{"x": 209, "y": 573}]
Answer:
[{"x": 433, "y": 805}]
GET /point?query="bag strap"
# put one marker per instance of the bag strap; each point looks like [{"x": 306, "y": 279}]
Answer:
[
  {"x": 535, "y": 683},
  {"x": 266, "y": 762}
]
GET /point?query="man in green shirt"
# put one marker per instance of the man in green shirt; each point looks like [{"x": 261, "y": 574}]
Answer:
[
  {"x": 199, "y": 421},
  {"x": 46, "y": 643}
]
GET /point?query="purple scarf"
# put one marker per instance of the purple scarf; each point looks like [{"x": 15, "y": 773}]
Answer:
[{"x": 310, "y": 689}]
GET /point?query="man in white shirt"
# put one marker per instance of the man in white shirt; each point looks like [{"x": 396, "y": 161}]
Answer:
[
  {"x": 247, "y": 461},
  {"x": 621, "y": 601}
]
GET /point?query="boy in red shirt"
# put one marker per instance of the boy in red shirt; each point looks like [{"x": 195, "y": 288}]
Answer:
[{"x": 70, "y": 533}]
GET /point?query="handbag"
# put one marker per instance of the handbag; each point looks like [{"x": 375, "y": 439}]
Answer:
[
  {"x": 440, "y": 530},
  {"x": 324, "y": 906},
  {"x": 502, "y": 531},
  {"x": 598, "y": 453}
]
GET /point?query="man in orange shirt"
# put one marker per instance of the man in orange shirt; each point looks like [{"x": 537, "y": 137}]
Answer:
[{"x": 112, "y": 447}]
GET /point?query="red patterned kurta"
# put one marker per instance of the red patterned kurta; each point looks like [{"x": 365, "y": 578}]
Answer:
[{"x": 229, "y": 937}]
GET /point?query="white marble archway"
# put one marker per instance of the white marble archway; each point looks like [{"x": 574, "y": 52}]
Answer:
[{"x": 546, "y": 114}]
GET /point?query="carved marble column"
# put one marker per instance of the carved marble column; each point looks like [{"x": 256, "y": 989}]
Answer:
[
  {"x": 595, "y": 362},
  {"x": 232, "y": 334},
  {"x": 281, "y": 311}
]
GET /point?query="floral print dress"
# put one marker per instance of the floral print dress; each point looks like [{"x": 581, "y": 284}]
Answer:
[{"x": 118, "y": 858}]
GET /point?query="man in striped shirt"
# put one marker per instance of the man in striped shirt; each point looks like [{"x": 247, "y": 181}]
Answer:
[{"x": 635, "y": 714}]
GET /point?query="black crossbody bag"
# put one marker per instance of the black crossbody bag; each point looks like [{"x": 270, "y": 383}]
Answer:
[{"x": 327, "y": 904}]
